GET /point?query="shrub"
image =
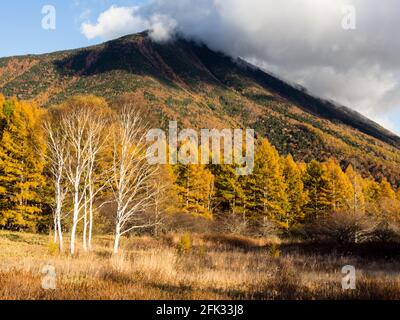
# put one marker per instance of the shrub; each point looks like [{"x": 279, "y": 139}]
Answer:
[
  {"x": 274, "y": 251},
  {"x": 184, "y": 245},
  {"x": 387, "y": 231},
  {"x": 341, "y": 227},
  {"x": 52, "y": 248},
  {"x": 184, "y": 222},
  {"x": 235, "y": 241},
  {"x": 233, "y": 224},
  {"x": 264, "y": 227}
]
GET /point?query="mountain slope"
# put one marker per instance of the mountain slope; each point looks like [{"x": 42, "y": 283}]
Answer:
[{"x": 190, "y": 83}]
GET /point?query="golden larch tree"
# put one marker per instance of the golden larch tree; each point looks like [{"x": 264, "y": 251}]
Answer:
[
  {"x": 340, "y": 189},
  {"x": 297, "y": 196},
  {"x": 21, "y": 165},
  {"x": 266, "y": 188},
  {"x": 357, "y": 201}
]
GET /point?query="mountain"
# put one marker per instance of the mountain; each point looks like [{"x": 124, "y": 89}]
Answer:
[{"x": 186, "y": 81}]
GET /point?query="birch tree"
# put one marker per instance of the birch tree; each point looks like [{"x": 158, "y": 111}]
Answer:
[
  {"x": 56, "y": 158},
  {"x": 95, "y": 181},
  {"x": 74, "y": 125},
  {"x": 82, "y": 122},
  {"x": 132, "y": 190}
]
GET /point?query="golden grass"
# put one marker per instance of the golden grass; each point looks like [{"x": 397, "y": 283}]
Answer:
[{"x": 217, "y": 267}]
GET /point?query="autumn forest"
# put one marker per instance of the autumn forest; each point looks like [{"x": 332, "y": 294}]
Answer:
[{"x": 64, "y": 167}]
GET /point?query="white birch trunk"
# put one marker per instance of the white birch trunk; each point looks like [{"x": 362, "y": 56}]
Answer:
[
  {"x": 117, "y": 238},
  {"x": 90, "y": 222},
  {"x": 75, "y": 220},
  {"x": 85, "y": 224}
]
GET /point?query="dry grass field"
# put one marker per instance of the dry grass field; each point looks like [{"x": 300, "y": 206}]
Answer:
[{"x": 206, "y": 267}]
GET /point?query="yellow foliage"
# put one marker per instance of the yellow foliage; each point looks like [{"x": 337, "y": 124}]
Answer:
[
  {"x": 386, "y": 191},
  {"x": 266, "y": 188},
  {"x": 297, "y": 195},
  {"x": 185, "y": 244},
  {"x": 357, "y": 198},
  {"x": 22, "y": 148}
]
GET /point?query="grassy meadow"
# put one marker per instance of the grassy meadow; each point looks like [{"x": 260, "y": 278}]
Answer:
[{"x": 196, "y": 266}]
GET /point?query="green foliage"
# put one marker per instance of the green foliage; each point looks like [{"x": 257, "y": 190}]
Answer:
[
  {"x": 8, "y": 108},
  {"x": 150, "y": 97},
  {"x": 229, "y": 193}
]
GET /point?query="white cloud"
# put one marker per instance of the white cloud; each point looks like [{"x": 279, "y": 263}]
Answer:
[
  {"x": 162, "y": 27},
  {"x": 119, "y": 21},
  {"x": 301, "y": 40},
  {"x": 115, "y": 22}
]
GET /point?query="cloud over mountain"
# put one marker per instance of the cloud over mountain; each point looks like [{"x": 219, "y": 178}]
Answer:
[{"x": 299, "y": 40}]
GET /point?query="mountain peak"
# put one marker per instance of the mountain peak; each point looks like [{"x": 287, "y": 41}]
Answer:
[{"x": 187, "y": 81}]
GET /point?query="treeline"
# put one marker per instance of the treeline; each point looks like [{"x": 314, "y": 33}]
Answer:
[
  {"x": 284, "y": 191},
  {"x": 60, "y": 168}
]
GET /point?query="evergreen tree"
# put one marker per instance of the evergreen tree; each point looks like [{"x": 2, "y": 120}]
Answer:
[{"x": 229, "y": 194}]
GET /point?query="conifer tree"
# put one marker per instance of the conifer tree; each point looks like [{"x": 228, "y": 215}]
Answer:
[
  {"x": 229, "y": 194},
  {"x": 266, "y": 189},
  {"x": 195, "y": 183},
  {"x": 21, "y": 165},
  {"x": 195, "y": 188},
  {"x": 357, "y": 201},
  {"x": 316, "y": 185},
  {"x": 385, "y": 190},
  {"x": 296, "y": 194},
  {"x": 388, "y": 206},
  {"x": 371, "y": 191},
  {"x": 165, "y": 200},
  {"x": 339, "y": 188}
]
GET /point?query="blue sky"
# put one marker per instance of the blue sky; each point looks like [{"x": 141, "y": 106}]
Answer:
[
  {"x": 395, "y": 115},
  {"x": 22, "y": 33}
]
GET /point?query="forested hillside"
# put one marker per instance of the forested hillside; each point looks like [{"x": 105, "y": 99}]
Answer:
[{"x": 201, "y": 88}]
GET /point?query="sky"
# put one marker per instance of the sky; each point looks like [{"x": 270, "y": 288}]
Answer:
[
  {"x": 21, "y": 29},
  {"x": 344, "y": 50}
]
